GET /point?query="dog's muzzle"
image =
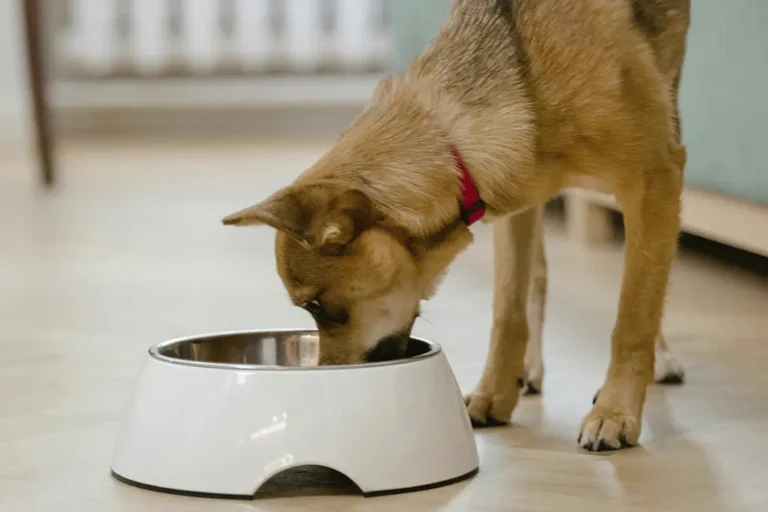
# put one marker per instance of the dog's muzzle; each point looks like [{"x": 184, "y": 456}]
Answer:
[
  {"x": 390, "y": 348},
  {"x": 393, "y": 347}
]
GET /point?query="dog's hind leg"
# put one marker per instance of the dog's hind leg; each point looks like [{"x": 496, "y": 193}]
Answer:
[
  {"x": 497, "y": 394},
  {"x": 667, "y": 369},
  {"x": 534, "y": 361}
]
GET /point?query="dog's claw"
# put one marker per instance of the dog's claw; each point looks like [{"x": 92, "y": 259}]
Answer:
[
  {"x": 490, "y": 410},
  {"x": 530, "y": 389},
  {"x": 672, "y": 379},
  {"x": 490, "y": 423}
]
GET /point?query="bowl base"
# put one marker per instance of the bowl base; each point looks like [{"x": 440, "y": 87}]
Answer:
[{"x": 248, "y": 497}]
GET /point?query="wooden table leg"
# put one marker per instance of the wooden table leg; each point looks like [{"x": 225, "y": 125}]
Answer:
[{"x": 37, "y": 82}]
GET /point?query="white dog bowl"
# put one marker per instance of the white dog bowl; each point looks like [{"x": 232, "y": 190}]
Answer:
[{"x": 220, "y": 415}]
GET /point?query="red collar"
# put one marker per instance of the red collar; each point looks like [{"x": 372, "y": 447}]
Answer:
[{"x": 471, "y": 206}]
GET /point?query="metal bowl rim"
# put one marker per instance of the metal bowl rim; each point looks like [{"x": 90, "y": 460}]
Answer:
[{"x": 154, "y": 352}]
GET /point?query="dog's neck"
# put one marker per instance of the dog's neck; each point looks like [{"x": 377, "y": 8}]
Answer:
[
  {"x": 399, "y": 151},
  {"x": 475, "y": 99},
  {"x": 495, "y": 137}
]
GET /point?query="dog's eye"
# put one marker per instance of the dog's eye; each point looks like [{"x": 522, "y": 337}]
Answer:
[
  {"x": 314, "y": 307},
  {"x": 323, "y": 315}
]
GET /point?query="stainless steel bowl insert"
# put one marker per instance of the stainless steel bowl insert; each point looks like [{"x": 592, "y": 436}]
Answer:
[{"x": 267, "y": 350}]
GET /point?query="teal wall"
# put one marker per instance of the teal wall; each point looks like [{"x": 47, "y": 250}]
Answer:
[
  {"x": 415, "y": 24},
  {"x": 724, "y": 97}
]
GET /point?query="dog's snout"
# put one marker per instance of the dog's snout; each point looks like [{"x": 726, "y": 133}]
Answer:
[{"x": 390, "y": 348}]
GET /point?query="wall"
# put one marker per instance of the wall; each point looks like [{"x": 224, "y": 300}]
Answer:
[
  {"x": 414, "y": 24},
  {"x": 724, "y": 98},
  {"x": 724, "y": 95},
  {"x": 15, "y": 122}
]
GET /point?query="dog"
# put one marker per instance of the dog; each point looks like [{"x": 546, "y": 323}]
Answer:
[{"x": 513, "y": 101}]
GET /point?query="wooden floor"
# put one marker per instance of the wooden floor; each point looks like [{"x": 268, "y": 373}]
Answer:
[{"x": 129, "y": 251}]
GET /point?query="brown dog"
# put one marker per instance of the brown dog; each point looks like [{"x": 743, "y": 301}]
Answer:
[{"x": 523, "y": 98}]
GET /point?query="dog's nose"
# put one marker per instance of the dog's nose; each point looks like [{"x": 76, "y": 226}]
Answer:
[{"x": 390, "y": 348}]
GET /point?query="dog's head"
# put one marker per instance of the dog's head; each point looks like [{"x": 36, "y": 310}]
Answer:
[
  {"x": 361, "y": 278},
  {"x": 366, "y": 233}
]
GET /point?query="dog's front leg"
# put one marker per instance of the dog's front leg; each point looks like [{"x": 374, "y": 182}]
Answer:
[
  {"x": 651, "y": 216},
  {"x": 515, "y": 243}
]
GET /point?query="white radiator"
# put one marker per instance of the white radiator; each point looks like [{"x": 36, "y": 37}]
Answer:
[{"x": 138, "y": 38}]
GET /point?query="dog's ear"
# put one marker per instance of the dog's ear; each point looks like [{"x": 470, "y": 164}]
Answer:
[
  {"x": 323, "y": 215},
  {"x": 282, "y": 210}
]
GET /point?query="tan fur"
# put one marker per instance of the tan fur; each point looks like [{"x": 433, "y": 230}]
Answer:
[{"x": 536, "y": 95}]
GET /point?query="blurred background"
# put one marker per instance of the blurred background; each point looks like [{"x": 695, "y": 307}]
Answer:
[
  {"x": 121, "y": 66},
  {"x": 95, "y": 69}
]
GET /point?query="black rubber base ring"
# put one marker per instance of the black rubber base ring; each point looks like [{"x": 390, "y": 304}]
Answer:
[
  {"x": 427, "y": 487},
  {"x": 178, "y": 492},
  {"x": 246, "y": 497}
]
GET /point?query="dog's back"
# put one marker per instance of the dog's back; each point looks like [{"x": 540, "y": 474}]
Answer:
[
  {"x": 591, "y": 75},
  {"x": 665, "y": 25}
]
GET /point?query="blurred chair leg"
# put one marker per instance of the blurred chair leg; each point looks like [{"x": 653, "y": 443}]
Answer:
[{"x": 40, "y": 110}]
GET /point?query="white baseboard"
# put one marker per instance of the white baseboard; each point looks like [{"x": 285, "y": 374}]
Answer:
[
  {"x": 706, "y": 214},
  {"x": 323, "y": 122},
  {"x": 300, "y": 106},
  {"x": 218, "y": 92}
]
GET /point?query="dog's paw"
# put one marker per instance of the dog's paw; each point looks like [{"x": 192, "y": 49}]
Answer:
[
  {"x": 668, "y": 370},
  {"x": 605, "y": 429},
  {"x": 487, "y": 408},
  {"x": 534, "y": 381},
  {"x": 532, "y": 388}
]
